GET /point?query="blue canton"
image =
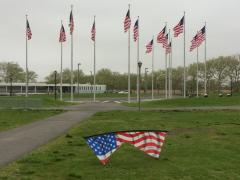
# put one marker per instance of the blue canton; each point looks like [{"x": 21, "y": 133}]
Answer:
[{"x": 102, "y": 144}]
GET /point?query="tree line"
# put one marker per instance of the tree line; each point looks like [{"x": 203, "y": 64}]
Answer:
[{"x": 223, "y": 73}]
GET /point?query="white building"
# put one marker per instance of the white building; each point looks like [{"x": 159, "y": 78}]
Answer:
[{"x": 43, "y": 88}]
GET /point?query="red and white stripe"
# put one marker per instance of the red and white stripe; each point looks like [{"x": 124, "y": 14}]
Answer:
[
  {"x": 93, "y": 32},
  {"x": 165, "y": 42},
  {"x": 149, "y": 142},
  {"x": 135, "y": 33},
  {"x": 127, "y": 22},
  {"x": 62, "y": 36},
  {"x": 161, "y": 36},
  {"x": 71, "y": 23}
]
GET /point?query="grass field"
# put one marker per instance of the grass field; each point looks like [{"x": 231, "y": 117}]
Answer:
[
  {"x": 34, "y": 101},
  {"x": 191, "y": 102},
  {"x": 13, "y": 118},
  {"x": 200, "y": 145}
]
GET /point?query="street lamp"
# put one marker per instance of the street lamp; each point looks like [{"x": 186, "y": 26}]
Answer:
[
  {"x": 78, "y": 76},
  {"x": 146, "y": 71},
  {"x": 139, "y": 76}
]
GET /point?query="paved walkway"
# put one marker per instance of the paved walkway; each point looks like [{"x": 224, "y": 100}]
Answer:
[{"x": 17, "y": 142}]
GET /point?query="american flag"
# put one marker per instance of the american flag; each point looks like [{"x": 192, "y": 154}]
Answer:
[
  {"x": 135, "y": 31},
  {"x": 201, "y": 36},
  {"x": 161, "y": 36},
  {"x": 169, "y": 48},
  {"x": 165, "y": 42},
  {"x": 71, "y": 23},
  {"x": 149, "y": 46},
  {"x": 28, "y": 31},
  {"x": 178, "y": 29},
  {"x": 194, "y": 42},
  {"x": 93, "y": 31},
  {"x": 127, "y": 22},
  {"x": 105, "y": 145},
  {"x": 62, "y": 36}
]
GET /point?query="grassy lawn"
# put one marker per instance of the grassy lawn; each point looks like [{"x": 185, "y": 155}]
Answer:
[
  {"x": 34, "y": 101},
  {"x": 191, "y": 102},
  {"x": 200, "y": 145},
  {"x": 13, "y": 118}
]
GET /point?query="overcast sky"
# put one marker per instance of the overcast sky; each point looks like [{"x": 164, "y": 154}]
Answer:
[{"x": 223, "y": 31}]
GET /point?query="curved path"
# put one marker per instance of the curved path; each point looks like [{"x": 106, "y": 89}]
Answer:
[{"x": 17, "y": 142}]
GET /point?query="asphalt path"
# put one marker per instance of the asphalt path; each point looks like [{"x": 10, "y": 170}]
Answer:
[{"x": 17, "y": 142}]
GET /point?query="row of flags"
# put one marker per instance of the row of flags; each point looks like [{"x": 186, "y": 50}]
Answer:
[{"x": 104, "y": 145}]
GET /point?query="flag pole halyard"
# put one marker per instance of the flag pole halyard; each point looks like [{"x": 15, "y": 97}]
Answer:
[
  {"x": 166, "y": 76},
  {"x": 153, "y": 69},
  {"x": 169, "y": 65},
  {"x": 205, "y": 57},
  {"x": 61, "y": 69},
  {"x": 129, "y": 75},
  {"x": 184, "y": 58},
  {"x": 72, "y": 60},
  {"x": 26, "y": 88},
  {"x": 94, "y": 66},
  {"x": 138, "y": 60},
  {"x": 197, "y": 72}
]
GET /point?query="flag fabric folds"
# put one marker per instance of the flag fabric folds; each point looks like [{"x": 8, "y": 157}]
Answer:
[
  {"x": 169, "y": 48},
  {"x": 104, "y": 145},
  {"x": 161, "y": 35},
  {"x": 135, "y": 31},
  {"x": 149, "y": 47},
  {"x": 93, "y": 31},
  {"x": 28, "y": 31},
  {"x": 178, "y": 29},
  {"x": 201, "y": 36},
  {"x": 194, "y": 42},
  {"x": 62, "y": 36},
  {"x": 127, "y": 22},
  {"x": 71, "y": 23},
  {"x": 165, "y": 41}
]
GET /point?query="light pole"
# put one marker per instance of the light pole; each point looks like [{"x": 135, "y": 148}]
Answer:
[
  {"x": 78, "y": 76},
  {"x": 139, "y": 76},
  {"x": 146, "y": 71}
]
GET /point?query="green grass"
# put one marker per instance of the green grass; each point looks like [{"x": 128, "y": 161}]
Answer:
[
  {"x": 13, "y": 118},
  {"x": 191, "y": 102},
  {"x": 33, "y": 101},
  {"x": 200, "y": 145}
]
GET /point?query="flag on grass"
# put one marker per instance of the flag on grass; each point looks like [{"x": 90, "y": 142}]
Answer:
[
  {"x": 71, "y": 23},
  {"x": 135, "y": 31},
  {"x": 149, "y": 46},
  {"x": 161, "y": 36},
  {"x": 62, "y": 36},
  {"x": 28, "y": 31},
  {"x": 127, "y": 22},
  {"x": 104, "y": 145},
  {"x": 178, "y": 29},
  {"x": 93, "y": 31}
]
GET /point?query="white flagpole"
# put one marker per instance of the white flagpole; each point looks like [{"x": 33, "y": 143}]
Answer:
[
  {"x": 138, "y": 59},
  {"x": 166, "y": 73},
  {"x": 72, "y": 61},
  {"x": 205, "y": 57},
  {"x": 184, "y": 60},
  {"x": 169, "y": 68},
  {"x": 61, "y": 69},
  {"x": 197, "y": 71},
  {"x": 26, "y": 93},
  {"x": 153, "y": 69},
  {"x": 129, "y": 73},
  {"x": 94, "y": 68}
]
